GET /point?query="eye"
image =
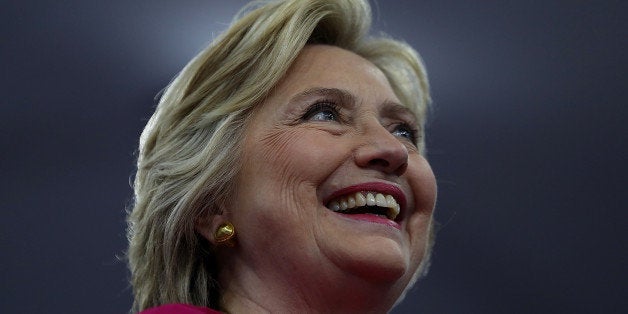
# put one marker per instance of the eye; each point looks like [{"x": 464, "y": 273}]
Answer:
[
  {"x": 406, "y": 131},
  {"x": 322, "y": 111}
]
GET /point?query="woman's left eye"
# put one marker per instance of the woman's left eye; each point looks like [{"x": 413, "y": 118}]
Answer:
[
  {"x": 322, "y": 112},
  {"x": 405, "y": 130}
]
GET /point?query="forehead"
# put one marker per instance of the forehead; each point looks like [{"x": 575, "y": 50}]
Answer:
[{"x": 333, "y": 67}]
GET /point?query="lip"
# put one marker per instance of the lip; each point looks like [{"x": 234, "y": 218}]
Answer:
[{"x": 379, "y": 187}]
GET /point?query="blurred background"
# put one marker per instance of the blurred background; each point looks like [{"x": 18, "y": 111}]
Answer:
[{"x": 528, "y": 140}]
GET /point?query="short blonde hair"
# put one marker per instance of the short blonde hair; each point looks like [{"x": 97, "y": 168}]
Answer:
[{"x": 189, "y": 150}]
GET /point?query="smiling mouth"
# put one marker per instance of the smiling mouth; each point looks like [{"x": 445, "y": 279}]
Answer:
[{"x": 366, "y": 203}]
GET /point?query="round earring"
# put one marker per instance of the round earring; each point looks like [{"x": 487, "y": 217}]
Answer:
[{"x": 225, "y": 234}]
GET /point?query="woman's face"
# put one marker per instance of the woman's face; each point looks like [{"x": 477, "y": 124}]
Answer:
[{"x": 328, "y": 160}]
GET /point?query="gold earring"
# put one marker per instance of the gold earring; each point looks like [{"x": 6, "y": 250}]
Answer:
[{"x": 225, "y": 234}]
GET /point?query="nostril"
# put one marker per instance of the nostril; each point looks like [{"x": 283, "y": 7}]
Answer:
[
  {"x": 386, "y": 166},
  {"x": 401, "y": 169},
  {"x": 379, "y": 162}
]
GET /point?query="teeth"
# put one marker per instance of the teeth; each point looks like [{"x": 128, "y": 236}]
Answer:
[
  {"x": 334, "y": 206},
  {"x": 343, "y": 204},
  {"x": 351, "y": 201},
  {"x": 390, "y": 201},
  {"x": 380, "y": 200},
  {"x": 370, "y": 199},
  {"x": 393, "y": 207},
  {"x": 360, "y": 200}
]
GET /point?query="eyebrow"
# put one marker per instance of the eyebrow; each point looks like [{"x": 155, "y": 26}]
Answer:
[
  {"x": 392, "y": 108},
  {"x": 344, "y": 96}
]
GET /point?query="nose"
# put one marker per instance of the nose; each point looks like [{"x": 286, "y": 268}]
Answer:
[{"x": 382, "y": 151}]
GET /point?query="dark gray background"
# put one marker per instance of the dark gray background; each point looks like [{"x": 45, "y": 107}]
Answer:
[{"x": 527, "y": 139}]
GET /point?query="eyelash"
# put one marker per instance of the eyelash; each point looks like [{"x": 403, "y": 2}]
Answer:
[
  {"x": 413, "y": 131},
  {"x": 320, "y": 107},
  {"x": 334, "y": 109}
]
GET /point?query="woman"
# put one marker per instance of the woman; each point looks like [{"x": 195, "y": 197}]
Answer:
[{"x": 284, "y": 170}]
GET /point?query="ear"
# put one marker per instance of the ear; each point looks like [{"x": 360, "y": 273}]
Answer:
[{"x": 207, "y": 224}]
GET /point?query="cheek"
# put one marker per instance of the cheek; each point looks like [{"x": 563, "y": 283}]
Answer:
[
  {"x": 277, "y": 185},
  {"x": 423, "y": 184},
  {"x": 295, "y": 155},
  {"x": 281, "y": 172}
]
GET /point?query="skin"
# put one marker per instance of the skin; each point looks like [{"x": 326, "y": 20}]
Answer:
[{"x": 293, "y": 254}]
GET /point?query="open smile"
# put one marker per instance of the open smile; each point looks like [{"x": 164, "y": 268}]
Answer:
[
  {"x": 366, "y": 203},
  {"x": 373, "y": 198}
]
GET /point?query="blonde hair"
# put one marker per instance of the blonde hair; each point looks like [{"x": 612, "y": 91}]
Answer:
[{"x": 188, "y": 152}]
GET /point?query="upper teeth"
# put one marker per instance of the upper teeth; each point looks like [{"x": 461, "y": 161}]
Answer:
[{"x": 366, "y": 199}]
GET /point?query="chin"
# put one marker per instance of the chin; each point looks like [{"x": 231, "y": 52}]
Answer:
[{"x": 387, "y": 263}]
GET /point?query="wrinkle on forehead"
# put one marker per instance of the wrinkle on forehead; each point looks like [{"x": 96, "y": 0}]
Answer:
[{"x": 316, "y": 60}]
